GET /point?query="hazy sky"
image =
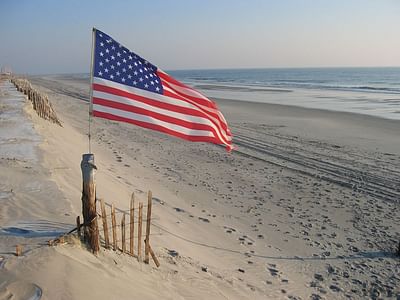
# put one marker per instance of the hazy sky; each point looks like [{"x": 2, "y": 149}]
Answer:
[{"x": 50, "y": 36}]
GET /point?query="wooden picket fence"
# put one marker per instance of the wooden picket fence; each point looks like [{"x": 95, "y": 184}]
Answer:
[
  {"x": 40, "y": 101},
  {"x": 111, "y": 241}
]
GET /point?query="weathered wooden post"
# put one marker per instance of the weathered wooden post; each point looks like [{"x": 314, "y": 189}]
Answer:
[{"x": 91, "y": 231}]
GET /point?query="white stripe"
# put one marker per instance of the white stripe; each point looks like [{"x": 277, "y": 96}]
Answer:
[
  {"x": 150, "y": 120},
  {"x": 166, "y": 112}
]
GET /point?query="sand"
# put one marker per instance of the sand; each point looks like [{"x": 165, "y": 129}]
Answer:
[{"x": 305, "y": 208}]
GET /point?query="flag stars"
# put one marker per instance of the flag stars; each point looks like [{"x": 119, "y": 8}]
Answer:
[{"x": 116, "y": 63}]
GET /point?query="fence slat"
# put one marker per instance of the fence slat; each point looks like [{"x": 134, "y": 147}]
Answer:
[
  {"x": 148, "y": 223},
  {"x": 140, "y": 231},
  {"x": 114, "y": 229},
  {"x": 78, "y": 226},
  {"x": 123, "y": 233},
  {"x": 153, "y": 256},
  {"x": 132, "y": 225},
  {"x": 105, "y": 225}
]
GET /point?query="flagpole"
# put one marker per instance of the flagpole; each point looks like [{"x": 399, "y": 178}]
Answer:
[{"x": 91, "y": 87}]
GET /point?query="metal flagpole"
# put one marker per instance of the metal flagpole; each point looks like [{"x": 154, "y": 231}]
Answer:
[{"x": 91, "y": 87}]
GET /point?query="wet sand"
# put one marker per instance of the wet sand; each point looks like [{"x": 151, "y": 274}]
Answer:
[{"x": 305, "y": 208}]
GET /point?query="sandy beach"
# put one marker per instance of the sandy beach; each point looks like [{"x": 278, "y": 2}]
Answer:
[{"x": 306, "y": 207}]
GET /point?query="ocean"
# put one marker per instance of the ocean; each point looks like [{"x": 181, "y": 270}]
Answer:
[{"x": 370, "y": 91}]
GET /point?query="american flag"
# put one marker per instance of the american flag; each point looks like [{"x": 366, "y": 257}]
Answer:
[{"x": 130, "y": 89}]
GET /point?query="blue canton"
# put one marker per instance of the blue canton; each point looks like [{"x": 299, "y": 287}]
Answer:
[{"x": 114, "y": 62}]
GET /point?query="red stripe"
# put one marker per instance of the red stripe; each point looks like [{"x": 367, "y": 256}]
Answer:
[
  {"x": 149, "y": 101},
  {"x": 157, "y": 127},
  {"x": 155, "y": 115}
]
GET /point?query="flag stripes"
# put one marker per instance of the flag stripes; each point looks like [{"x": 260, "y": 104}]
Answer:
[{"x": 171, "y": 115}]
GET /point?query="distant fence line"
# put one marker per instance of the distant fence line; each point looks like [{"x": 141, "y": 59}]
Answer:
[{"x": 40, "y": 101}]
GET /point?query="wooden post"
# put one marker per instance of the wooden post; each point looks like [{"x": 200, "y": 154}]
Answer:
[
  {"x": 140, "y": 231},
  {"x": 91, "y": 231},
  {"x": 148, "y": 223},
  {"x": 153, "y": 256},
  {"x": 78, "y": 226},
  {"x": 123, "y": 233},
  {"x": 105, "y": 225},
  {"x": 114, "y": 224},
  {"x": 132, "y": 225},
  {"x": 18, "y": 250}
]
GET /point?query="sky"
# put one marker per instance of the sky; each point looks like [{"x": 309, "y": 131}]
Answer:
[{"x": 54, "y": 36}]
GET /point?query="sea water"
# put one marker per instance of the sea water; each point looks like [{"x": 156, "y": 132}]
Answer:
[{"x": 371, "y": 91}]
